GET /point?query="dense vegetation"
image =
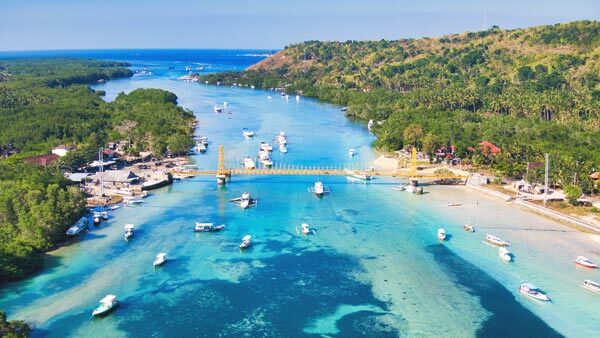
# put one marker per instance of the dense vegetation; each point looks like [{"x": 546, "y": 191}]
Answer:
[
  {"x": 13, "y": 328},
  {"x": 46, "y": 102},
  {"x": 529, "y": 91}
]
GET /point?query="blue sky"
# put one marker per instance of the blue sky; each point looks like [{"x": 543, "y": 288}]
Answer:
[{"x": 90, "y": 24}]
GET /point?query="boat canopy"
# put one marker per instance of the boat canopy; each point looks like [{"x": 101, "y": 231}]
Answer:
[
  {"x": 128, "y": 226},
  {"x": 247, "y": 238},
  {"x": 161, "y": 255},
  {"x": 108, "y": 299}
]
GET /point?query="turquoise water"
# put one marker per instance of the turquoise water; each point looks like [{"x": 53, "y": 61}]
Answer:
[{"x": 373, "y": 268}]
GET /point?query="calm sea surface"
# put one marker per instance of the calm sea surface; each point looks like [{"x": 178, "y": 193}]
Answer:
[{"x": 373, "y": 268}]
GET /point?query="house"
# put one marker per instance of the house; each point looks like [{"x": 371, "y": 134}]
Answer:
[
  {"x": 488, "y": 148},
  {"x": 42, "y": 160},
  {"x": 117, "y": 177},
  {"x": 62, "y": 150},
  {"x": 445, "y": 153},
  {"x": 78, "y": 177}
]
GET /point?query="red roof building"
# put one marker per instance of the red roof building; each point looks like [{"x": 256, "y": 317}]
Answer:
[
  {"x": 43, "y": 160},
  {"x": 488, "y": 147}
]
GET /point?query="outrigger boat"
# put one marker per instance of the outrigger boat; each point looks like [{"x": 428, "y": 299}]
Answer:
[
  {"x": 305, "y": 229},
  {"x": 592, "y": 286},
  {"x": 208, "y": 227},
  {"x": 468, "y": 228},
  {"x": 245, "y": 201},
  {"x": 441, "y": 234},
  {"x": 586, "y": 262},
  {"x": 107, "y": 303},
  {"x": 247, "y": 133},
  {"x": 246, "y": 242},
  {"x": 319, "y": 189},
  {"x": 160, "y": 259},
  {"x": 533, "y": 291},
  {"x": 505, "y": 254},
  {"x": 497, "y": 241},
  {"x": 128, "y": 231}
]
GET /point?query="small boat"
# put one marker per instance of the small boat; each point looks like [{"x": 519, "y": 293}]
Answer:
[
  {"x": 497, "y": 241},
  {"x": 319, "y": 189},
  {"x": 245, "y": 200},
  {"x": 399, "y": 188},
  {"x": 269, "y": 97},
  {"x": 533, "y": 291},
  {"x": 351, "y": 152},
  {"x": 297, "y": 98},
  {"x": 107, "y": 303},
  {"x": 264, "y": 158},
  {"x": 113, "y": 207},
  {"x": 201, "y": 147},
  {"x": 217, "y": 109},
  {"x": 81, "y": 224},
  {"x": 505, "y": 254},
  {"x": 265, "y": 147},
  {"x": 246, "y": 242},
  {"x": 441, "y": 234},
  {"x": 128, "y": 231},
  {"x": 344, "y": 109},
  {"x": 247, "y": 133},
  {"x": 97, "y": 218},
  {"x": 225, "y": 104},
  {"x": 203, "y": 140},
  {"x": 282, "y": 93},
  {"x": 129, "y": 200},
  {"x": 281, "y": 138},
  {"x": 592, "y": 286},
  {"x": 104, "y": 215},
  {"x": 249, "y": 163},
  {"x": 305, "y": 229},
  {"x": 160, "y": 259},
  {"x": 468, "y": 228},
  {"x": 370, "y": 125},
  {"x": 208, "y": 227},
  {"x": 454, "y": 204},
  {"x": 584, "y": 261},
  {"x": 283, "y": 148},
  {"x": 358, "y": 175}
]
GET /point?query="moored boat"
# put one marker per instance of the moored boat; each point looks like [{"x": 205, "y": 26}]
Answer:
[
  {"x": 505, "y": 254},
  {"x": 107, "y": 303},
  {"x": 283, "y": 149},
  {"x": 533, "y": 291},
  {"x": 586, "y": 262},
  {"x": 468, "y": 228},
  {"x": 217, "y": 109},
  {"x": 441, "y": 234},
  {"x": 208, "y": 227},
  {"x": 592, "y": 286},
  {"x": 495, "y": 240},
  {"x": 160, "y": 259},
  {"x": 104, "y": 215},
  {"x": 247, "y": 133},
  {"x": 129, "y": 231},
  {"x": 358, "y": 175},
  {"x": 281, "y": 138},
  {"x": 264, "y": 146},
  {"x": 249, "y": 163},
  {"x": 351, "y": 152},
  {"x": 201, "y": 147},
  {"x": 246, "y": 242},
  {"x": 81, "y": 224}
]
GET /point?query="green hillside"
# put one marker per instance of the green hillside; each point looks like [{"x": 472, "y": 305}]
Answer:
[{"x": 529, "y": 91}]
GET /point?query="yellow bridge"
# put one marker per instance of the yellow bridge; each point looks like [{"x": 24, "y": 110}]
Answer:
[{"x": 412, "y": 173}]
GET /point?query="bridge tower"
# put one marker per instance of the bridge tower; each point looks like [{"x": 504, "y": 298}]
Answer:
[
  {"x": 222, "y": 172},
  {"x": 413, "y": 180}
]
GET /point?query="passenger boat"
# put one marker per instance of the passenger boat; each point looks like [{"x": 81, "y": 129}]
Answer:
[
  {"x": 246, "y": 242},
  {"x": 533, "y": 291},
  {"x": 128, "y": 231},
  {"x": 97, "y": 218},
  {"x": 468, "y": 228},
  {"x": 441, "y": 234},
  {"x": 81, "y": 224},
  {"x": 107, "y": 303},
  {"x": 265, "y": 147},
  {"x": 351, "y": 152},
  {"x": 208, "y": 227},
  {"x": 319, "y": 189},
  {"x": 497, "y": 241},
  {"x": 283, "y": 148},
  {"x": 505, "y": 254},
  {"x": 217, "y": 109},
  {"x": 247, "y": 133},
  {"x": 358, "y": 175},
  {"x": 584, "y": 261},
  {"x": 281, "y": 138},
  {"x": 160, "y": 259},
  {"x": 592, "y": 286},
  {"x": 249, "y": 163}
]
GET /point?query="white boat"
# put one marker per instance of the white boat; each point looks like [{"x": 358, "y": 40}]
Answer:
[
  {"x": 281, "y": 138},
  {"x": 113, "y": 207},
  {"x": 283, "y": 148},
  {"x": 201, "y": 147},
  {"x": 208, "y": 227},
  {"x": 586, "y": 262},
  {"x": 497, "y": 241},
  {"x": 319, "y": 189},
  {"x": 454, "y": 204},
  {"x": 247, "y": 133},
  {"x": 245, "y": 200},
  {"x": 160, "y": 259},
  {"x": 203, "y": 140},
  {"x": 249, "y": 163},
  {"x": 225, "y": 104},
  {"x": 441, "y": 234},
  {"x": 411, "y": 189},
  {"x": 132, "y": 200},
  {"x": 351, "y": 152},
  {"x": 358, "y": 175},
  {"x": 297, "y": 98},
  {"x": 265, "y": 147},
  {"x": 305, "y": 229},
  {"x": 246, "y": 242},
  {"x": 128, "y": 231},
  {"x": 78, "y": 227},
  {"x": 97, "y": 218},
  {"x": 104, "y": 215},
  {"x": 269, "y": 97},
  {"x": 217, "y": 109},
  {"x": 505, "y": 254},
  {"x": 265, "y": 159},
  {"x": 592, "y": 286},
  {"x": 399, "y": 188},
  {"x": 370, "y": 125},
  {"x": 107, "y": 303},
  {"x": 533, "y": 291}
]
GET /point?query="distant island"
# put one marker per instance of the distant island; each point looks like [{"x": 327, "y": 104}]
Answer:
[{"x": 496, "y": 99}]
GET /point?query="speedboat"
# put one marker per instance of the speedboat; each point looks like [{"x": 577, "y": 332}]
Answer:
[
  {"x": 104, "y": 215},
  {"x": 351, "y": 152},
  {"x": 217, "y": 109},
  {"x": 128, "y": 231},
  {"x": 283, "y": 148},
  {"x": 441, "y": 234},
  {"x": 358, "y": 175},
  {"x": 265, "y": 147},
  {"x": 584, "y": 261},
  {"x": 592, "y": 286},
  {"x": 97, "y": 218},
  {"x": 533, "y": 291},
  {"x": 247, "y": 133},
  {"x": 246, "y": 242},
  {"x": 305, "y": 229},
  {"x": 107, "y": 303},
  {"x": 468, "y": 228},
  {"x": 201, "y": 147},
  {"x": 281, "y": 138},
  {"x": 160, "y": 259},
  {"x": 505, "y": 254},
  {"x": 208, "y": 227},
  {"x": 81, "y": 224},
  {"x": 497, "y": 241},
  {"x": 249, "y": 163}
]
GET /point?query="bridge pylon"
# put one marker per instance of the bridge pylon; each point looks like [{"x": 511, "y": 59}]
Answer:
[{"x": 222, "y": 173}]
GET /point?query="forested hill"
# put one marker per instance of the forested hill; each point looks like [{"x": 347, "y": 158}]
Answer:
[{"x": 529, "y": 91}]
